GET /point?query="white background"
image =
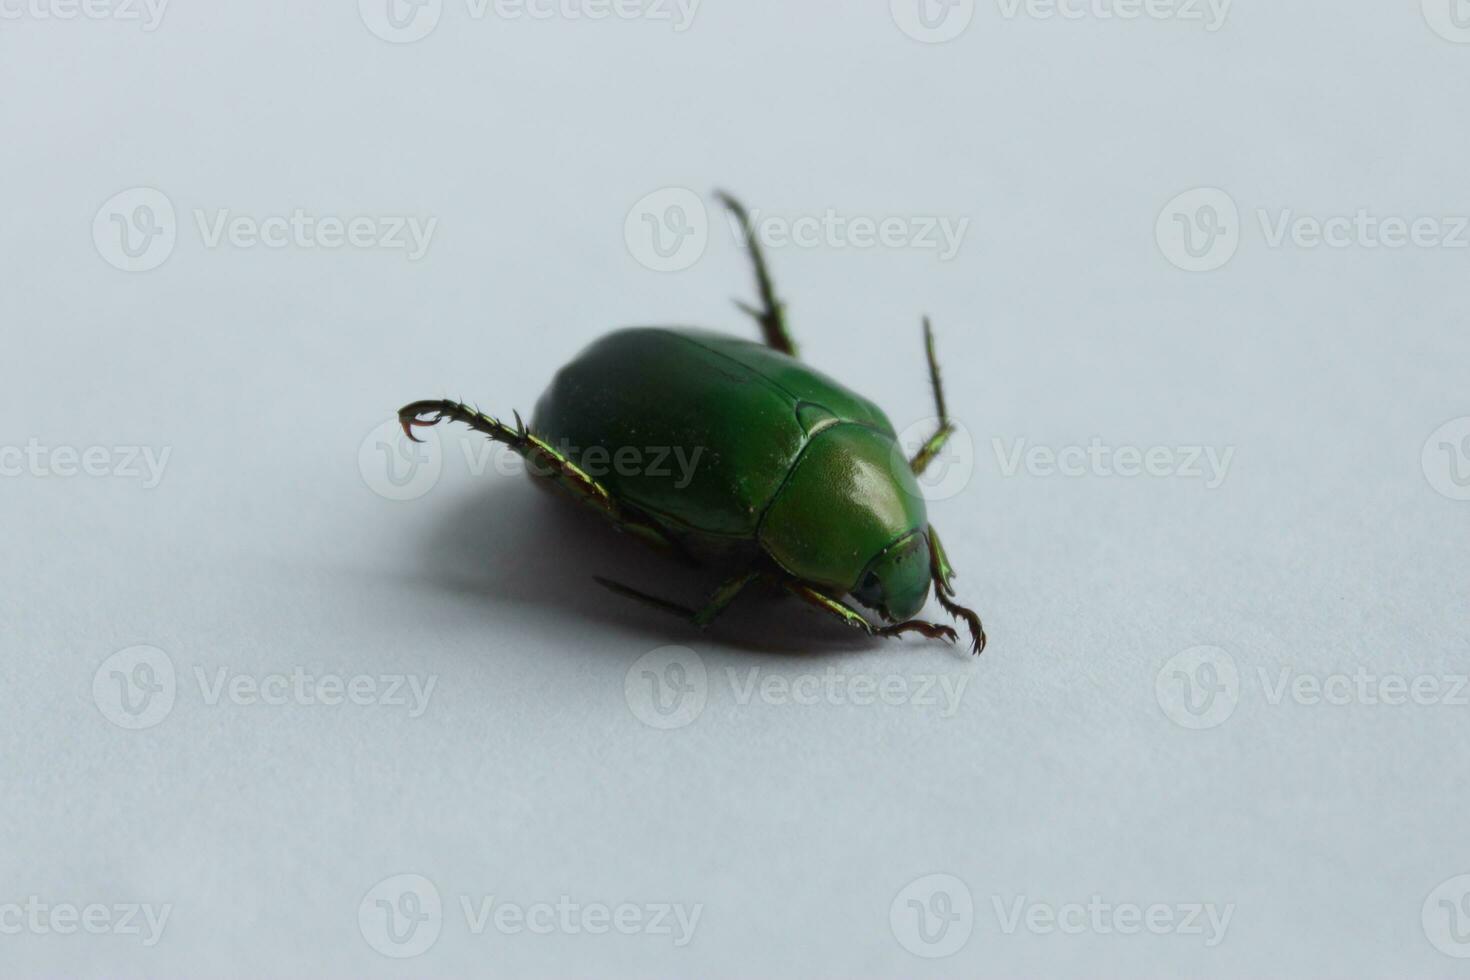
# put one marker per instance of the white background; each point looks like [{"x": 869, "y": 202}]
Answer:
[{"x": 1334, "y": 544}]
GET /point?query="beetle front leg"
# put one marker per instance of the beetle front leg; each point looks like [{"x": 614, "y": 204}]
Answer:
[
  {"x": 772, "y": 318},
  {"x": 931, "y": 447},
  {"x": 940, "y": 570},
  {"x": 853, "y": 618}
]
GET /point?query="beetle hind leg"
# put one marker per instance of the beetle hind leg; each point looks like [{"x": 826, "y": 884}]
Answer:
[
  {"x": 542, "y": 459},
  {"x": 932, "y": 446},
  {"x": 772, "y": 317}
]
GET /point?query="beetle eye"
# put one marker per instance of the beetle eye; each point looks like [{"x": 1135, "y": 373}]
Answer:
[{"x": 870, "y": 585}]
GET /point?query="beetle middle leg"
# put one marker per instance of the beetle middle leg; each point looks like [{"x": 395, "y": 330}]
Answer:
[
  {"x": 852, "y": 617},
  {"x": 540, "y": 456},
  {"x": 772, "y": 318},
  {"x": 701, "y": 617},
  {"x": 931, "y": 447}
]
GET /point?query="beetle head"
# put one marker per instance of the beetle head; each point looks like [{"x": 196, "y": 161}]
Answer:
[{"x": 896, "y": 582}]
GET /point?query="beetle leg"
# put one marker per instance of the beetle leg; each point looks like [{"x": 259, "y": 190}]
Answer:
[
  {"x": 721, "y": 598},
  {"x": 542, "y": 459},
  {"x": 941, "y": 571},
  {"x": 934, "y": 443},
  {"x": 853, "y": 618},
  {"x": 772, "y": 318},
  {"x": 683, "y": 612}
]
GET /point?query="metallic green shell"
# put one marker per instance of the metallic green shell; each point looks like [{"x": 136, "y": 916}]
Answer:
[{"x": 744, "y": 416}]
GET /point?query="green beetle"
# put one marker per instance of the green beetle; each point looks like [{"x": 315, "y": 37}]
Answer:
[{"x": 797, "y": 480}]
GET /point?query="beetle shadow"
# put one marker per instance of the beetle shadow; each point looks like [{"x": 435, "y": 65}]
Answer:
[{"x": 515, "y": 547}]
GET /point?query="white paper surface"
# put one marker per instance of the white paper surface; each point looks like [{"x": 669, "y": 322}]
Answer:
[{"x": 1079, "y": 826}]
